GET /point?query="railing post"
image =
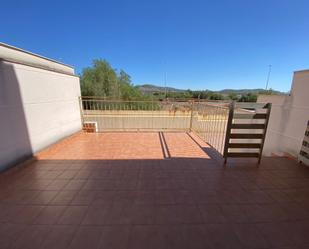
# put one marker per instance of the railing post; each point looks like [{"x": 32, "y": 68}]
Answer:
[
  {"x": 191, "y": 118},
  {"x": 228, "y": 131},
  {"x": 80, "y": 101}
]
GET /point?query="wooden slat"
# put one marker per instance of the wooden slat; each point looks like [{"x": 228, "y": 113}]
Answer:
[
  {"x": 251, "y": 105},
  {"x": 242, "y": 154},
  {"x": 245, "y": 145},
  {"x": 248, "y": 126},
  {"x": 250, "y": 116},
  {"x": 246, "y": 135}
]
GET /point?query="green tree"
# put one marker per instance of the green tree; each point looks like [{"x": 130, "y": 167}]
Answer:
[
  {"x": 233, "y": 96},
  {"x": 99, "y": 80},
  {"x": 104, "y": 81},
  {"x": 215, "y": 96},
  {"x": 249, "y": 97},
  {"x": 127, "y": 90}
]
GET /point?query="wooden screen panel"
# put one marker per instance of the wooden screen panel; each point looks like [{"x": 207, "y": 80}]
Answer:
[
  {"x": 303, "y": 156},
  {"x": 251, "y": 113}
]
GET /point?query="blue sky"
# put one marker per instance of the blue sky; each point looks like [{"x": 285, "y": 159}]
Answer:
[{"x": 199, "y": 44}]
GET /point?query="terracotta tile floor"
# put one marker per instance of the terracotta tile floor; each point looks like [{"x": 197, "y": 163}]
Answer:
[{"x": 151, "y": 190}]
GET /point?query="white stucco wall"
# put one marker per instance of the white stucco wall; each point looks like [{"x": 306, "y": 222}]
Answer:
[
  {"x": 38, "y": 107},
  {"x": 289, "y": 117}
]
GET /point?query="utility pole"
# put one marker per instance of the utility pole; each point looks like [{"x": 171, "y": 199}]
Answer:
[
  {"x": 268, "y": 76},
  {"x": 165, "y": 85}
]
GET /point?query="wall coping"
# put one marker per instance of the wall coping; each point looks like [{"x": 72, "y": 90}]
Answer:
[{"x": 17, "y": 55}]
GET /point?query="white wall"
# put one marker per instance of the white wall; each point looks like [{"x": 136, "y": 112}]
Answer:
[
  {"x": 37, "y": 108},
  {"x": 289, "y": 117}
]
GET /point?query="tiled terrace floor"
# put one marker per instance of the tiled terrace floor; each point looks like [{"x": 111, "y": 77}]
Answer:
[{"x": 135, "y": 191}]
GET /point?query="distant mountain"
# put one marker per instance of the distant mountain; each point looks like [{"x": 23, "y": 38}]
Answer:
[
  {"x": 245, "y": 91},
  {"x": 149, "y": 88}
]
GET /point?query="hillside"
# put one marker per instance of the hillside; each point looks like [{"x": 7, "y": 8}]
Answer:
[
  {"x": 149, "y": 88},
  {"x": 246, "y": 91}
]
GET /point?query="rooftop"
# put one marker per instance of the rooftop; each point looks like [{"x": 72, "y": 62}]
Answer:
[{"x": 151, "y": 190}]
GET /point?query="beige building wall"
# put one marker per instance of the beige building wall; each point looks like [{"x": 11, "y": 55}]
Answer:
[
  {"x": 289, "y": 117},
  {"x": 38, "y": 104}
]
